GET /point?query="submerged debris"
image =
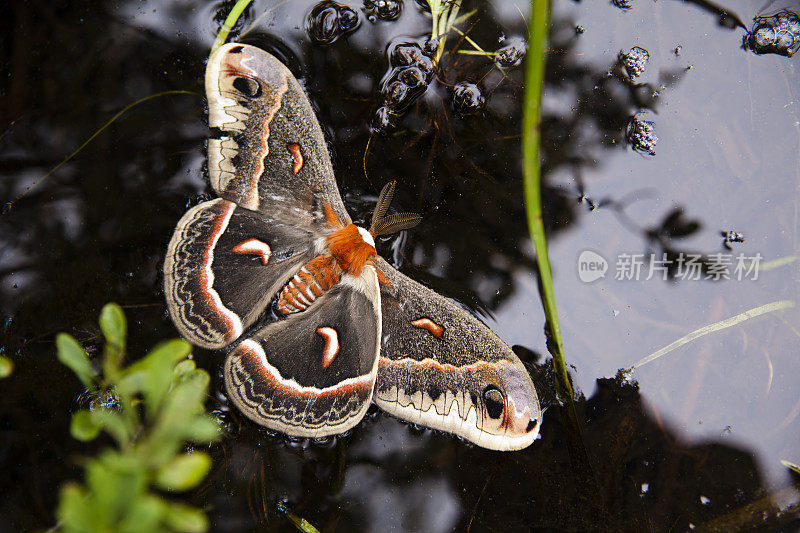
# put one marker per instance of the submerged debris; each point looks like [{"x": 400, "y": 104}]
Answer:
[
  {"x": 635, "y": 60},
  {"x": 381, "y": 120},
  {"x": 329, "y": 20},
  {"x": 467, "y": 98},
  {"x": 776, "y": 34},
  {"x": 383, "y": 9},
  {"x": 730, "y": 238},
  {"x": 622, "y": 4},
  {"x": 512, "y": 53},
  {"x": 641, "y": 135}
]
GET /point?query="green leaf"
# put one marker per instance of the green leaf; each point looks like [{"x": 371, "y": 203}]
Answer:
[
  {"x": 132, "y": 382},
  {"x": 184, "y": 472},
  {"x": 203, "y": 429},
  {"x": 6, "y": 366},
  {"x": 71, "y": 354},
  {"x": 115, "y": 481},
  {"x": 184, "y": 367},
  {"x": 154, "y": 372},
  {"x": 174, "y": 423},
  {"x": 83, "y": 427},
  {"x": 115, "y": 329},
  {"x": 146, "y": 513},
  {"x": 186, "y": 519},
  {"x": 186, "y": 398},
  {"x": 74, "y": 510},
  {"x": 114, "y": 424}
]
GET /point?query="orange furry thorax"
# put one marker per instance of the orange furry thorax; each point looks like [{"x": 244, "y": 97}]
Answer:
[{"x": 349, "y": 249}]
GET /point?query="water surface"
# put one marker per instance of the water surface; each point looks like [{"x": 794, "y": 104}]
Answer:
[{"x": 694, "y": 438}]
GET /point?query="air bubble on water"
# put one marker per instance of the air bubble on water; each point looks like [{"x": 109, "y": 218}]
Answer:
[
  {"x": 430, "y": 46},
  {"x": 641, "y": 135},
  {"x": 764, "y": 37},
  {"x": 775, "y": 34},
  {"x": 296, "y": 443},
  {"x": 348, "y": 19},
  {"x": 381, "y": 120},
  {"x": 329, "y": 20},
  {"x": 635, "y": 60},
  {"x": 412, "y": 76},
  {"x": 410, "y": 72},
  {"x": 396, "y": 92},
  {"x": 512, "y": 53},
  {"x": 387, "y": 9},
  {"x": 413, "y": 55},
  {"x": 467, "y": 98},
  {"x": 324, "y": 442}
]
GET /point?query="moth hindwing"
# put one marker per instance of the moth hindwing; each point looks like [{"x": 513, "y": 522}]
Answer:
[{"x": 351, "y": 328}]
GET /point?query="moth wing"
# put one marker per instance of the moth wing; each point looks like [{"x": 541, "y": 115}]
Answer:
[
  {"x": 441, "y": 367},
  {"x": 313, "y": 373},
  {"x": 224, "y": 264},
  {"x": 271, "y": 150}
]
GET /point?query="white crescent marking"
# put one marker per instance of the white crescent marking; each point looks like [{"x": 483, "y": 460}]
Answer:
[
  {"x": 254, "y": 247},
  {"x": 331, "y": 349}
]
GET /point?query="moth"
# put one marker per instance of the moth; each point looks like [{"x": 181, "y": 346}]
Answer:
[{"x": 351, "y": 329}]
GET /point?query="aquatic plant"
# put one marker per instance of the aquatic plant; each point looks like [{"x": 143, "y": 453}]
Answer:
[
  {"x": 229, "y": 24},
  {"x": 444, "y": 16},
  {"x": 531, "y": 114},
  {"x": 151, "y": 409}
]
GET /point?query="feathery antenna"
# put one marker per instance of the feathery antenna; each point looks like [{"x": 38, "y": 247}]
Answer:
[{"x": 384, "y": 225}]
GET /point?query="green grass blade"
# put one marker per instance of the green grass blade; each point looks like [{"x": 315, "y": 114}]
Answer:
[
  {"x": 229, "y": 24},
  {"x": 531, "y": 114},
  {"x": 90, "y": 139},
  {"x": 538, "y": 26},
  {"x": 791, "y": 466},
  {"x": 716, "y": 326}
]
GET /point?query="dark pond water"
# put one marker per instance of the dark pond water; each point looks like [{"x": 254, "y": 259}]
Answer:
[{"x": 690, "y": 137}]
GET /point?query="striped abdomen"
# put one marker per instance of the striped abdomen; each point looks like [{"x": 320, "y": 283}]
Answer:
[{"x": 316, "y": 277}]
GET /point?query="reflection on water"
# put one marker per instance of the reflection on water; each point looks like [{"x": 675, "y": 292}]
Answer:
[{"x": 697, "y": 442}]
